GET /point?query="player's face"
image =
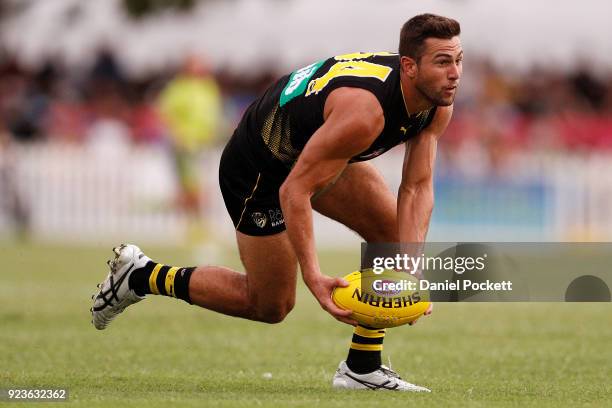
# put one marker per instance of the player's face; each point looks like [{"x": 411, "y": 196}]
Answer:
[{"x": 439, "y": 70}]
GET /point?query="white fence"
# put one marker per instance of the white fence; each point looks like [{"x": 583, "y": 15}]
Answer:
[{"x": 75, "y": 194}]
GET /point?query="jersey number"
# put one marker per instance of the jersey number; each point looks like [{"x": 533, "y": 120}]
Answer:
[{"x": 350, "y": 65}]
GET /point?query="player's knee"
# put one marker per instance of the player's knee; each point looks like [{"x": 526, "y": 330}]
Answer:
[
  {"x": 274, "y": 312},
  {"x": 382, "y": 231},
  {"x": 273, "y": 316}
]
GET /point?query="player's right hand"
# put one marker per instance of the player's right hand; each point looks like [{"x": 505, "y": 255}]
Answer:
[{"x": 322, "y": 287}]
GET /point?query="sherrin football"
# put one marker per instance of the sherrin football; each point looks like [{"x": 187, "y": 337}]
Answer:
[{"x": 388, "y": 299}]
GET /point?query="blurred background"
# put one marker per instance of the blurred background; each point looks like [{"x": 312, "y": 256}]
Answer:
[{"x": 113, "y": 114}]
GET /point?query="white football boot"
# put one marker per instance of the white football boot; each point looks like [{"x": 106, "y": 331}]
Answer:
[
  {"x": 114, "y": 294},
  {"x": 382, "y": 379}
]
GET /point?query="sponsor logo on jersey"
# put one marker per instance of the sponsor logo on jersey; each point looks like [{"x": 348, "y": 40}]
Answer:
[
  {"x": 298, "y": 81},
  {"x": 259, "y": 219}
]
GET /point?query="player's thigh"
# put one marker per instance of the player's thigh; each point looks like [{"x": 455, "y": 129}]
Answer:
[
  {"x": 361, "y": 200},
  {"x": 271, "y": 269}
]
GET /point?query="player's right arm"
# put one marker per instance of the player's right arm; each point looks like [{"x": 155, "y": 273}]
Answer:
[{"x": 353, "y": 120}]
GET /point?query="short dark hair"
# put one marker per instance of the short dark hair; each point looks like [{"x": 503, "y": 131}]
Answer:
[{"x": 419, "y": 28}]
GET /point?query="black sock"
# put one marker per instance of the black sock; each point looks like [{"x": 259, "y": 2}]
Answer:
[
  {"x": 365, "y": 354},
  {"x": 159, "y": 279},
  {"x": 139, "y": 279}
]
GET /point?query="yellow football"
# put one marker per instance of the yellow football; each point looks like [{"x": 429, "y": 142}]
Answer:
[{"x": 388, "y": 299}]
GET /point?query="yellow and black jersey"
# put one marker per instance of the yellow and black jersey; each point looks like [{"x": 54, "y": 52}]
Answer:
[
  {"x": 291, "y": 110},
  {"x": 276, "y": 127}
]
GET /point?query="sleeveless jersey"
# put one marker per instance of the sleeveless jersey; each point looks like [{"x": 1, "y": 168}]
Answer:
[{"x": 291, "y": 110}]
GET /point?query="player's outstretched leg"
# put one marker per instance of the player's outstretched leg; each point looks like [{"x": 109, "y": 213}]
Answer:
[{"x": 265, "y": 293}]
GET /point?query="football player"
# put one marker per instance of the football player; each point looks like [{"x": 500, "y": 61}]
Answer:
[{"x": 304, "y": 145}]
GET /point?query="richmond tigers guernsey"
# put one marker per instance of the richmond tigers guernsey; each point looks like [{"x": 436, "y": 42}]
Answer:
[
  {"x": 290, "y": 111},
  {"x": 277, "y": 126}
]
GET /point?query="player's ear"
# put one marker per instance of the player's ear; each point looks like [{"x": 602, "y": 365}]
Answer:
[{"x": 409, "y": 66}]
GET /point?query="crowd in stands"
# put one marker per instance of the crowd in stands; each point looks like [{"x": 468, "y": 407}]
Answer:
[
  {"x": 56, "y": 105},
  {"x": 542, "y": 109}
]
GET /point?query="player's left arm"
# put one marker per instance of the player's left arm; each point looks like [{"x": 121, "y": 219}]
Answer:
[{"x": 416, "y": 195}]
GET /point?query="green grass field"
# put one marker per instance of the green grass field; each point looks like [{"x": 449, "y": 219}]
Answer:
[{"x": 163, "y": 352}]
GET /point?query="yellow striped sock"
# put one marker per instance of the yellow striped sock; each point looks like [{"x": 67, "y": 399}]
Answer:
[
  {"x": 366, "y": 349},
  {"x": 170, "y": 281},
  {"x": 153, "y": 279}
]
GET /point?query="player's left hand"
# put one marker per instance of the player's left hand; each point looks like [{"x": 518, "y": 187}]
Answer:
[
  {"x": 427, "y": 313},
  {"x": 322, "y": 287}
]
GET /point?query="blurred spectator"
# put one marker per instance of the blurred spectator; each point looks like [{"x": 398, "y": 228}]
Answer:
[
  {"x": 12, "y": 203},
  {"x": 588, "y": 88},
  {"x": 190, "y": 106},
  {"x": 146, "y": 125},
  {"x": 23, "y": 102},
  {"x": 110, "y": 111}
]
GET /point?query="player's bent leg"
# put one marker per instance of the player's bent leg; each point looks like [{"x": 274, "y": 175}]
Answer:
[
  {"x": 272, "y": 274},
  {"x": 265, "y": 293},
  {"x": 361, "y": 200}
]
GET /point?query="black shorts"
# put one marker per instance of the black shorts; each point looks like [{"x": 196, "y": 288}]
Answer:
[{"x": 250, "y": 179}]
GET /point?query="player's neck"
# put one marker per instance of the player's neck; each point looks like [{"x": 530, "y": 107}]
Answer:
[{"x": 413, "y": 99}]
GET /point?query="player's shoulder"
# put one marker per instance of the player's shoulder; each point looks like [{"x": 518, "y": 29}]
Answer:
[
  {"x": 358, "y": 107},
  {"x": 353, "y": 99}
]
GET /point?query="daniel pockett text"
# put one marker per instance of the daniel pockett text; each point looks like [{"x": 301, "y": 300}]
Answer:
[{"x": 380, "y": 285}]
